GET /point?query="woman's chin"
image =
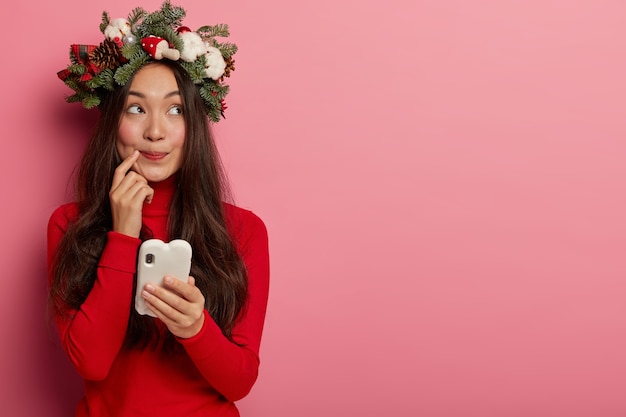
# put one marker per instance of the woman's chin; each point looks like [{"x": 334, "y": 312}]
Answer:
[
  {"x": 156, "y": 176},
  {"x": 153, "y": 173}
]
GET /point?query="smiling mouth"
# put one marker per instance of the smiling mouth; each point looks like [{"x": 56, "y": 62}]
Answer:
[{"x": 154, "y": 156}]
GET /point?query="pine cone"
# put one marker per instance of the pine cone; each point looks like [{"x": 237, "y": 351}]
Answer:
[
  {"x": 230, "y": 66},
  {"x": 106, "y": 55}
]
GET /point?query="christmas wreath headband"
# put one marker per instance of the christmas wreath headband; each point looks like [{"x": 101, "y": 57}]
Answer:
[{"x": 143, "y": 37}]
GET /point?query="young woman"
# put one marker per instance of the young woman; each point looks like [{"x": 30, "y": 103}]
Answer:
[{"x": 151, "y": 170}]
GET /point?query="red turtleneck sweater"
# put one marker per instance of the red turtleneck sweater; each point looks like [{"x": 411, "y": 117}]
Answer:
[{"x": 204, "y": 378}]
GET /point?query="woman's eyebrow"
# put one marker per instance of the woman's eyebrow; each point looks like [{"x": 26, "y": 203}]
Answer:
[{"x": 142, "y": 95}]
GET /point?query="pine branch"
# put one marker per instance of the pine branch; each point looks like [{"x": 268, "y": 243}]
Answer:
[
  {"x": 227, "y": 49},
  {"x": 79, "y": 69},
  {"x": 131, "y": 51},
  {"x": 136, "y": 15},
  {"x": 212, "y": 94},
  {"x": 105, "y": 21},
  {"x": 103, "y": 80},
  {"x": 71, "y": 83},
  {"x": 91, "y": 101},
  {"x": 73, "y": 98},
  {"x": 195, "y": 69},
  {"x": 170, "y": 35},
  {"x": 173, "y": 15},
  {"x": 126, "y": 71},
  {"x": 220, "y": 30},
  {"x": 222, "y": 91},
  {"x": 168, "y": 16},
  {"x": 207, "y": 95}
]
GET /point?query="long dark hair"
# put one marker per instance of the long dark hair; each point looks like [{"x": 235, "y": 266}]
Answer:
[{"x": 196, "y": 215}]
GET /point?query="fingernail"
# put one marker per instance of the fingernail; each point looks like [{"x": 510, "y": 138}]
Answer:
[
  {"x": 150, "y": 288},
  {"x": 168, "y": 280},
  {"x": 145, "y": 294}
]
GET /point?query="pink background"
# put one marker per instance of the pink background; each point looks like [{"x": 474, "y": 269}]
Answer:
[{"x": 443, "y": 182}]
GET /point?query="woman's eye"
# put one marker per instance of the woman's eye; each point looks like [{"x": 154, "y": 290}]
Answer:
[
  {"x": 176, "y": 110},
  {"x": 135, "y": 109}
]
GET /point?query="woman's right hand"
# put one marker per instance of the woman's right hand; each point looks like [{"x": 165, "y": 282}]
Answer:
[{"x": 128, "y": 192}]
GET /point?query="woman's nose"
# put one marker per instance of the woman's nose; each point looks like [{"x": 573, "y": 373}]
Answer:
[{"x": 154, "y": 129}]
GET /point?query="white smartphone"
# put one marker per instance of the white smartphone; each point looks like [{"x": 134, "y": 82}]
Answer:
[{"x": 157, "y": 259}]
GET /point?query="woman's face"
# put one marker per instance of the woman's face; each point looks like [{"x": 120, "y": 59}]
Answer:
[{"x": 153, "y": 123}]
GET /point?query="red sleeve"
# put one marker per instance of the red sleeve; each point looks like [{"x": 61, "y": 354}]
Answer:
[
  {"x": 232, "y": 368},
  {"x": 93, "y": 335}
]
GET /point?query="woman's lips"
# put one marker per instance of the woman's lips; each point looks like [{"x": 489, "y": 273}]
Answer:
[{"x": 154, "y": 156}]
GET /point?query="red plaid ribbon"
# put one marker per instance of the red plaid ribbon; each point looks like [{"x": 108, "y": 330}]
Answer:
[{"x": 79, "y": 54}]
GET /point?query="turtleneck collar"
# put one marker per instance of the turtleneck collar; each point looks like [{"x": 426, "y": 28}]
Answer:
[{"x": 163, "y": 192}]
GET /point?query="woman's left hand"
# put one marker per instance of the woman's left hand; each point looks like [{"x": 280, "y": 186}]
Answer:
[{"x": 179, "y": 304}]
